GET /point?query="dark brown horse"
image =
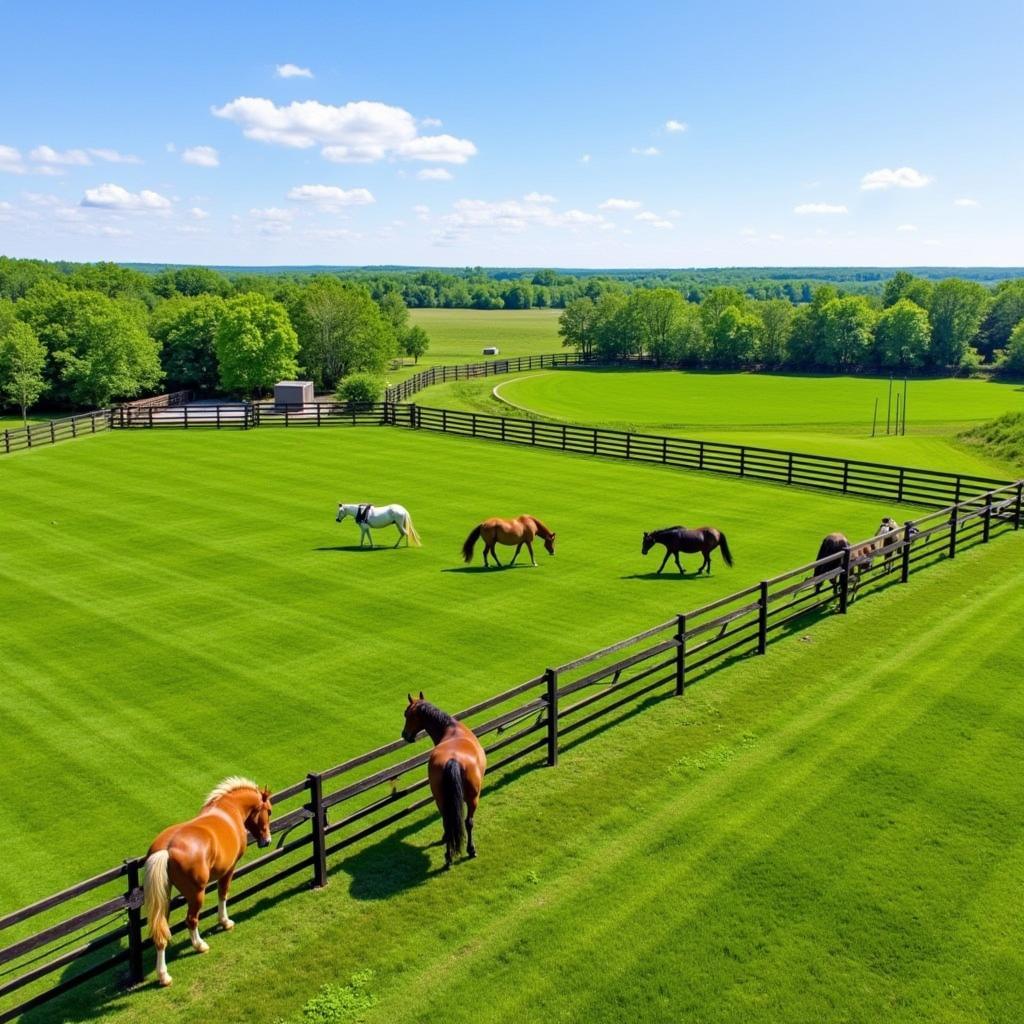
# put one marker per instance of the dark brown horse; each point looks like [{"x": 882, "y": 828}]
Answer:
[
  {"x": 678, "y": 539},
  {"x": 862, "y": 555},
  {"x": 206, "y": 849},
  {"x": 518, "y": 531},
  {"x": 455, "y": 770}
]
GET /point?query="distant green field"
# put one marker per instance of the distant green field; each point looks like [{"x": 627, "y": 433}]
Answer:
[{"x": 832, "y": 833}]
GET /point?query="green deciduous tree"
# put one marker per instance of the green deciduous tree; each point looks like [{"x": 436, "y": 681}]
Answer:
[
  {"x": 735, "y": 337},
  {"x": 256, "y": 344},
  {"x": 186, "y": 329},
  {"x": 902, "y": 335},
  {"x": 846, "y": 332},
  {"x": 415, "y": 342},
  {"x": 578, "y": 324},
  {"x": 360, "y": 389},
  {"x": 1014, "y": 359},
  {"x": 1006, "y": 311},
  {"x": 22, "y": 362},
  {"x": 956, "y": 312},
  {"x": 777, "y": 317}
]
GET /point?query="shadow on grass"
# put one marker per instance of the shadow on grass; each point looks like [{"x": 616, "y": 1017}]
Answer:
[
  {"x": 355, "y": 547},
  {"x": 690, "y": 577},
  {"x": 489, "y": 568}
]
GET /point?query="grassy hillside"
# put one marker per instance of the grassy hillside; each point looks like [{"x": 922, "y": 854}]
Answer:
[
  {"x": 832, "y": 833},
  {"x": 1002, "y": 439}
]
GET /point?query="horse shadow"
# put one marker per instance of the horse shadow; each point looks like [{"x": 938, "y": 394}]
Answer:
[
  {"x": 380, "y": 870},
  {"x": 690, "y": 577},
  {"x": 352, "y": 547},
  {"x": 471, "y": 569}
]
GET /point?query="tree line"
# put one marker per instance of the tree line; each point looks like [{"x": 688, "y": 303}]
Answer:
[
  {"x": 102, "y": 332},
  {"x": 914, "y": 324}
]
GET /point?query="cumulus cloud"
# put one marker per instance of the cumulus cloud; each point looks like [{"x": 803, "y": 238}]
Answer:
[
  {"x": 899, "y": 177},
  {"x": 430, "y": 122},
  {"x": 434, "y": 174},
  {"x": 805, "y": 208},
  {"x": 10, "y": 160},
  {"x": 201, "y": 156},
  {"x": 329, "y": 197},
  {"x": 112, "y": 156},
  {"x": 620, "y": 204},
  {"x": 966, "y": 202},
  {"x": 292, "y": 71},
  {"x": 422, "y": 212},
  {"x": 70, "y": 157},
  {"x": 675, "y": 126},
  {"x": 509, "y": 216},
  {"x": 646, "y": 151},
  {"x": 272, "y": 220},
  {"x": 198, "y": 213},
  {"x": 539, "y": 197},
  {"x": 654, "y": 220},
  {"x": 907, "y": 227},
  {"x": 114, "y": 197},
  {"x": 357, "y": 132}
]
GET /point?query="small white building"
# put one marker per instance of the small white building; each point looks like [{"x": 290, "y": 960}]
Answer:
[
  {"x": 293, "y": 392},
  {"x": 491, "y": 350}
]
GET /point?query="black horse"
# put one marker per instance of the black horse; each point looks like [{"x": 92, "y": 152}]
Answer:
[{"x": 678, "y": 539}]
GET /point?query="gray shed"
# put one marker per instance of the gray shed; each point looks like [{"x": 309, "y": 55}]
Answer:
[{"x": 293, "y": 392}]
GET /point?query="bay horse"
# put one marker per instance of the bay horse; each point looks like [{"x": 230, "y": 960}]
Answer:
[
  {"x": 679, "y": 539},
  {"x": 205, "y": 849},
  {"x": 519, "y": 531},
  {"x": 369, "y": 517},
  {"x": 862, "y": 555},
  {"x": 455, "y": 770}
]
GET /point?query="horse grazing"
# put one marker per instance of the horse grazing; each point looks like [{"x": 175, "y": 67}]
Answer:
[
  {"x": 375, "y": 516},
  {"x": 519, "y": 531},
  {"x": 862, "y": 555},
  {"x": 455, "y": 770},
  {"x": 679, "y": 539},
  {"x": 206, "y": 849}
]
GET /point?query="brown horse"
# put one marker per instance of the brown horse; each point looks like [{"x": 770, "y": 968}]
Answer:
[
  {"x": 518, "y": 531},
  {"x": 678, "y": 539},
  {"x": 455, "y": 770},
  {"x": 206, "y": 849},
  {"x": 862, "y": 555}
]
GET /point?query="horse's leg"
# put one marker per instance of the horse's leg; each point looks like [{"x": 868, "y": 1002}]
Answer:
[
  {"x": 519, "y": 547},
  {"x": 195, "y": 906},
  {"x": 494, "y": 552},
  {"x": 401, "y": 534},
  {"x": 222, "y": 902},
  {"x": 664, "y": 560},
  {"x": 533, "y": 561},
  {"x": 679, "y": 565},
  {"x": 707, "y": 561}
]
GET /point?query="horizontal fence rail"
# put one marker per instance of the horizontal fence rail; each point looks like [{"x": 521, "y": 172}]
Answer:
[
  {"x": 51, "y": 431},
  {"x": 96, "y": 927}
]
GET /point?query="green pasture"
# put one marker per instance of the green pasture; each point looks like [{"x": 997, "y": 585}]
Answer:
[
  {"x": 831, "y": 833},
  {"x": 181, "y": 606},
  {"x": 824, "y": 415}
]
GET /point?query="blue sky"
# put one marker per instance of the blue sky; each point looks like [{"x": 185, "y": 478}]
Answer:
[{"x": 540, "y": 134}]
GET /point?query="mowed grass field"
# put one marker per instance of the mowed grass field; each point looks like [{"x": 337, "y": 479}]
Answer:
[
  {"x": 824, "y": 415},
  {"x": 181, "y": 606},
  {"x": 831, "y": 833}
]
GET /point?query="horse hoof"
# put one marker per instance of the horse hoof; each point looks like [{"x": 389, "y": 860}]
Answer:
[
  {"x": 164, "y": 980},
  {"x": 471, "y": 853},
  {"x": 227, "y": 924},
  {"x": 203, "y": 947}
]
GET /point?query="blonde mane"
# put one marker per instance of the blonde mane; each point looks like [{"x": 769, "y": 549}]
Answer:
[{"x": 229, "y": 785}]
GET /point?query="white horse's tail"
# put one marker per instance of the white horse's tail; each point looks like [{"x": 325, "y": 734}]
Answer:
[
  {"x": 157, "y": 898},
  {"x": 411, "y": 531}
]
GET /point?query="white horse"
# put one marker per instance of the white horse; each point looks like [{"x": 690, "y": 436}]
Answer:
[{"x": 383, "y": 515}]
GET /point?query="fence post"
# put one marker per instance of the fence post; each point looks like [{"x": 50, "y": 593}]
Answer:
[
  {"x": 789, "y": 469},
  {"x": 595, "y": 441},
  {"x": 987, "y": 519},
  {"x": 533, "y": 441},
  {"x": 628, "y": 436},
  {"x": 563, "y": 437},
  {"x": 743, "y": 459},
  {"x": 899, "y": 496},
  {"x": 908, "y": 536},
  {"x": 1017, "y": 511},
  {"x": 444, "y": 420},
  {"x": 846, "y": 474},
  {"x": 150, "y": 410},
  {"x": 762, "y": 619},
  {"x": 844, "y": 583},
  {"x": 664, "y": 450},
  {"x": 74, "y": 426},
  {"x": 7, "y": 449},
  {"x": 186, "y": 417},
  {"x": 135, "y": 968},
  {"x": 318, "y": 413},
  {"x": 218, "y": 416},
  {"x": 551, "y": 680},
  {"x": 954, "y": 522},
  {"x": 316, "y": 805},
  {"x": 680, "y": 655},
  {"x": 286, "y": 415},
  {"x": 53, "y": 435}
]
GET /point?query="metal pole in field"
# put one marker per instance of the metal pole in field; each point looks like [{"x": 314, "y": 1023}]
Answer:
[
  {"x": 888, "y": 407},
  {"x": 874, "y": 418},
  {"x": 904, "y": 405},
  {"x": 897, "y": 430}
]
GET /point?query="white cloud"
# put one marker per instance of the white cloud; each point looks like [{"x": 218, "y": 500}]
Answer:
[
  {"x": 620, "y": 204},
  {"x": 198, "y": 213},
  {"x": 292, "y": 71},
  {"x": 422, "y": 212},
  {"x": 646, "y": 151},
  {"x": 331, "y": 197},
  {"x": 114, "y": 197},
  {"x": 539, "y": 197},
  {"x": 675, "y": 126},
  {"x": 430, "y": 122},
  {"x": 966, "y": 202},
  {"x": 777, "y": 237},
  {"x": 434, "y": 174},
  {"x": 358, "y": 132},
  {"x": 332, "y": 234},
  {"x": 899, "y": 177},
  {"x": 675, "y": 213},
  {"x": 201, "y": 156},
  {"x": 804, "y": 208},
  {"x": 10, "y": 160},
  {"x": 748, "y": 232},
  {"x": 509, "y": 216},
  {"x": 70, "y": 157},
  {"x": 907, "y": 227},
  {"x": 585, "y": 159},
  {"x": 112, "y": 156},
  {"x": 272, "y": 220}
]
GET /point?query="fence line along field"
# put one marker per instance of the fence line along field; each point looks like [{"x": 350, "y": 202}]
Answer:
[{"x": 178, "y": 564}]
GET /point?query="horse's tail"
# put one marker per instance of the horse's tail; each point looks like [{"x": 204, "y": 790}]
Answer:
[
  {"x": 724, "y": 545},
  {"x": 157, "y": 898},
  {"x": 467, "y": 548},
  {"x": 411, "y": 531},
  {"x": 451, "y": 813}
]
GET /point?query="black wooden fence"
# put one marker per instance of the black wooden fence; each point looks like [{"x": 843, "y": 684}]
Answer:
[
  {"x": 51, "y": 431},
  {"x": 96, "y": 927}
]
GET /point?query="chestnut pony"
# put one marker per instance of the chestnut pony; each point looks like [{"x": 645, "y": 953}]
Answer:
[
  {"x": 206, "y": 849},
  {"x": 455, "y": 770},
  {"x": 518, "y": 531}
]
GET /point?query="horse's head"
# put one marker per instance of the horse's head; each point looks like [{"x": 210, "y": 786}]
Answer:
[
  {"x": 648, "y": 543},
  {"x": 342, "y": 512},
  {"x": 887, "y": 525},
  {"x": 549, "y": 544},
  {"x": 257, "y": 821},
  {"x": 413, "y": 718}
]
